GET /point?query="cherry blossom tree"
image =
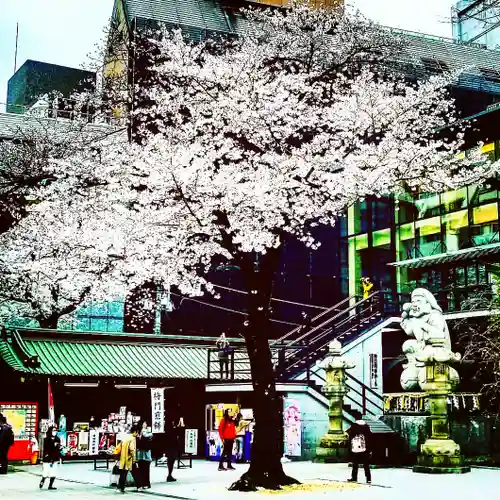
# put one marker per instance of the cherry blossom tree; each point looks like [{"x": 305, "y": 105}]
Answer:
[
  {"x": 243, "y": 142},
  {"x": 48, "y": 291}
]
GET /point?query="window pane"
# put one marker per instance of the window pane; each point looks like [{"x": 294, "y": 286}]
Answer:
[
  {"x": 406, "y": 231},
  {"x": 99, "y": 309},
  {"x": 454, "y": 200},
  {"x": 485, "y": 213},
  {"x": 428, "y": 205},
  {"x": 115, "y": 325},
  {"x": 382, "y": 213},
  {"x": 115, "y": 309},
  {"x": 429, "y": 226},
  {"x": 382, "y": 237},
  {"x": 82, "y": 324},
  {"x": 98, "y": 325},
  {"x": 361, "y": 241},
  {"x": 485, "y": 224},
  {"x": 481, "y": 194},
  {"x": 455, "y": 230}
]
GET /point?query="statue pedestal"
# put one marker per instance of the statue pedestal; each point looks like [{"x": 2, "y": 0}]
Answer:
[
  {"x": 333, "y": 448},
  {"x": 440, "y": 456}
]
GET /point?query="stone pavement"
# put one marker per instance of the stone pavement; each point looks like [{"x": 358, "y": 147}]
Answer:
[{"x": 204, "y": 482}]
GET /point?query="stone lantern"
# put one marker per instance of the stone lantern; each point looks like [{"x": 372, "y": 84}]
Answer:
[{"x": 333, "y": 446}]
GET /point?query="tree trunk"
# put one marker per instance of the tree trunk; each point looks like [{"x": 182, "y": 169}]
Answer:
[
  {"x": 49, "y": 323},
  {"x": 265, "y": 469}
]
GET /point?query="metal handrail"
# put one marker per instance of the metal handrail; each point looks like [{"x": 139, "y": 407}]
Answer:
[
  {"x": 345, "y": 311},
  {"x": 369, "y": 389},
  {"x": 364, "y": 388},
  {"x": 317, "y": 339},
  {"x": 315, "y": 318}
]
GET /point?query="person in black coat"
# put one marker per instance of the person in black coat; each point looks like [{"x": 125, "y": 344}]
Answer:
[
  {"x": 360, "y": 447},
  {"x": 6, "y": 441},
  {"x": 172, "y": 444},
  {"x": 51, "y": 456}
]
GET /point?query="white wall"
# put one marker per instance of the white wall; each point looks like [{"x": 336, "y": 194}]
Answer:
[{"x": 359, "y": 353}]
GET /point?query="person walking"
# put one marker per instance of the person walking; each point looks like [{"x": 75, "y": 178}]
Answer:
[
  {"x": 227, "y": 433},
  {"x": 224, "y": 352},
  {"x": 360, "y": 442},
  {"x": 368, "y": 290},
  {"x": 6, "y": 441},
  {"x": 172, "y": 432},
  {"x": 51, "y": 457},
  {"x": 241, "y": 430},
  {"x": 144, "y": 447},
  {"x": 126, "y": 451}
]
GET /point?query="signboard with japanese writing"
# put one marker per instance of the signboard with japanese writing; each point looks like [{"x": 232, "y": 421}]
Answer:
[
  {"x": 158, "y": 410},
  {"x": 191, "y": 442},
  {"x": 22, "y": 417},
  {"x": 93, "y": 443}
]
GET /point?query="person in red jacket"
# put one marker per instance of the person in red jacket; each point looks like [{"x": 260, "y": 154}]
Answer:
[{"x": 227, "y": 433}]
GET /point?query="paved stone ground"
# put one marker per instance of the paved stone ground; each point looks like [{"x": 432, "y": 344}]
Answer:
[{"x": 204, "y": 482}]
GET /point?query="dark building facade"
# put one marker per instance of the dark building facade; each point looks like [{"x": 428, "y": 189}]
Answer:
[{"x": 35, "y": 78}]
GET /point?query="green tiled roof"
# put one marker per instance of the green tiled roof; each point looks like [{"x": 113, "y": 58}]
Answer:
[{"x": 107, "y": 356}]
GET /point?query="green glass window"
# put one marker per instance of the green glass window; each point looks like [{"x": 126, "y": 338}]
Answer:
[
  {"x": 382, "y": 237},
  {"x": 454, "y": 200},
  {"x": 485, "y": 224},
  {"x": 428, "y": 226},
  {"x": 428, "y": 205},
  {"x": 98, "y": 324},
  {"x": 481, "y": 194},
  {"x": 455, "y": 230},
  {"x": 361, "y": 241},
  {"x": 406, "y": 231}
]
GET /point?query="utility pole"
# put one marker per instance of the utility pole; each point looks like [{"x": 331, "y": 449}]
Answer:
[{"x": 17, "y": 40}]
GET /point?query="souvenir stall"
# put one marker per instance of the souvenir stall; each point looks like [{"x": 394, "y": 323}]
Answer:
[
  {"x": 91, "y": 439},
  {"x": 23, "y": 417},
  {"x": 213, "y": 444}
]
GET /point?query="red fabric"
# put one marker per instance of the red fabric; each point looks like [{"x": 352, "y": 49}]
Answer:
[
  {"x": 20, "y": 450},
  {"x": 227, "y": 430},
  {"x": 52, "y": 413}
]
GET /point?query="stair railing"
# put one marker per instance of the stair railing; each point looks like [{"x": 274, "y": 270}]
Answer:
[
  {"x": 325, "y": 336},
  {"x": 376, "y": 400},
  {"x": 297, "y": 329}
]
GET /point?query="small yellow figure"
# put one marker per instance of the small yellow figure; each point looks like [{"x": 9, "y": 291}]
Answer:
[{"x": 367, "y": 286}]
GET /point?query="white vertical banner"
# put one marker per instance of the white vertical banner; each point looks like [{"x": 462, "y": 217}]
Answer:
[
  {"x": 158, "y": 410},
  {"x": 93, "y": 442},
  {"x": 191, "y": 442}
]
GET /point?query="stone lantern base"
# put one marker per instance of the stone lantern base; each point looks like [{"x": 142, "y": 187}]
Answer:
[
  {"x": 333, "y": 448},
  {"x": 441, "y": 456}
]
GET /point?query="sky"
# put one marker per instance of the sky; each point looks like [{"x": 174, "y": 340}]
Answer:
[{"x": 65, "y": 31}]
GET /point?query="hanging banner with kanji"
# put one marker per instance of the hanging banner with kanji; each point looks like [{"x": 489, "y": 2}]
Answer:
[{"x": 158, "y": 410}]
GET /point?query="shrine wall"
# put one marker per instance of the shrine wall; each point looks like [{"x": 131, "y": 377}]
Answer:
[{"x": 478, "y": 436}]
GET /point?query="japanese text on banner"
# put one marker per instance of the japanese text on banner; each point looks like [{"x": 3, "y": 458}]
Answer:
[{"x": 158, "y": 410}]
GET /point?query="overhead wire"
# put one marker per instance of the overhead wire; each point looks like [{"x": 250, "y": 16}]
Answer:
[
  {"x": 227, "y": 309},
  {"x": 273, "y": 298}
]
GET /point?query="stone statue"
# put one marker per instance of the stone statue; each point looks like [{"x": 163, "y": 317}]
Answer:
[{"x": 423, "y": 320}]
